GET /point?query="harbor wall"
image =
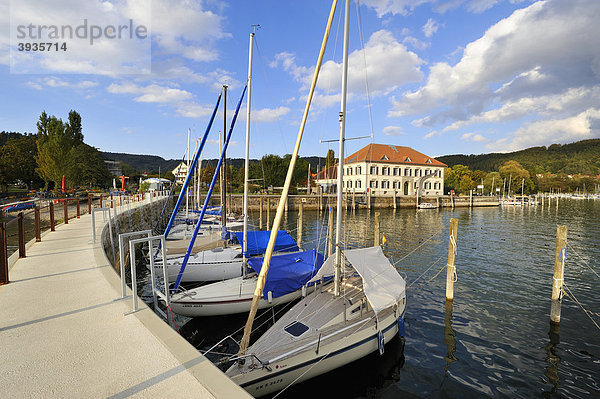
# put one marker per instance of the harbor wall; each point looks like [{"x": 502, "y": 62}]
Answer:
[{"x": 316, "y": 202}]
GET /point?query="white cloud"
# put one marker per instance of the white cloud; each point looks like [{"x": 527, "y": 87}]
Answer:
[
  {"x": 151, "y": 94},
  {"x": 430, "y": 27},
  {"x": 394, "y": 7},
  {"x": 473, "y": 137},
  {"x": 389, "y": 65},
  {"x": 269, "y": 114},
  {"x": 393, "y": 131},
  {"x": 405, "y": 7},
  {"x": 541, "y": 59},
  {"x": 415, "y": 43},
  {"x": 582, "y": 126}
]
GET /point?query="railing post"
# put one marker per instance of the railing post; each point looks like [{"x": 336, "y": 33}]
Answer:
[
  {"x": 89, "y": 204},
  {"x": 66, "y": 212},
  {"x": 51, "y": 208},
  {"x": 3, "y": 255},
  {"x": 38, "y": 232},
  {"x": 78, "y": 214},
  {"x": 100, "y": 200},
  {"x": 111, "y": 201},
  {"x": 21, "y": 233}
]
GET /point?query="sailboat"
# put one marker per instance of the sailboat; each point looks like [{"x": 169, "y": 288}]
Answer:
[
  {"x": 235, "y": 294},
  {"x": 331, "y": 326}
]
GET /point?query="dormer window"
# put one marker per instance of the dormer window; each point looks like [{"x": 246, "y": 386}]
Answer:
[
  {"x": 428, "y": 160},
  {"x": 385, "y": 158},
  {"x": 407, "y": 159}
]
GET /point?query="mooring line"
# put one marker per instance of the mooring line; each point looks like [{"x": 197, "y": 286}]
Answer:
[{"x": 587, "y": 312}]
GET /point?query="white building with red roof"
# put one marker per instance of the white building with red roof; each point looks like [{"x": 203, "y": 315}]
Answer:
[{"x": 387, "y": 169}]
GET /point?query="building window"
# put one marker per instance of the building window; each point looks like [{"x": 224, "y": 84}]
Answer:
[
  {"x": 395, "y": 171},
  {"x": 373, "y": 184},
  {"x": 358, "y": 170},
  {"x": 385, "y": 184},
  {"x": 349, "y": 184},
  {"x": 373, "y": 170},
  {"x": 407, "y": 172},
  {"x": 357, "y": 185}
]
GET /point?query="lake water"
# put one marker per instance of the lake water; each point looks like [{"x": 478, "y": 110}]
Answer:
[{"x": 495, "y": 340}]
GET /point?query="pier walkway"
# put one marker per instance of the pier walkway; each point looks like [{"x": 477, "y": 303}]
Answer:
[{"x": 64, "y": 334}]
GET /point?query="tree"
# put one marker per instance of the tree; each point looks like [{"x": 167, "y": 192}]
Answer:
[
  {"x": 17, "y": 161},
  {"x": 330, "y": 159},
  {"x": 169, "y": 176}
]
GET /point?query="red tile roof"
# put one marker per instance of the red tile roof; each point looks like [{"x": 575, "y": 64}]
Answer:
[{"x": 384, "y": 153}]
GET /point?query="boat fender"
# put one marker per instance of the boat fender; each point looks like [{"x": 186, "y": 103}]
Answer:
[
  {"x": 303, "y": 291},
  {"x": 401, "y": 328},
  {"x": 270, "y": 296},
  {"x": 380, "y": 342}
]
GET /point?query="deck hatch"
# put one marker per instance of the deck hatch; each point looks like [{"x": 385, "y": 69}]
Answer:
[{"x": 296, "y": 328}]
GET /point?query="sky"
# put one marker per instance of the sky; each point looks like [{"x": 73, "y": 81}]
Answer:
[{"x": 440, "y": 76}]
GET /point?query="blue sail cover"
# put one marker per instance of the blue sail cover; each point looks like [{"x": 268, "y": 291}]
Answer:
[
  {"x": 288, "y": 272},
  {"x": 258, "y": 240}
]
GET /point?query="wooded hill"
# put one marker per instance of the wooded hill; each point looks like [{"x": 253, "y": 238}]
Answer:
[
  {"x": 581, "y": 157},
  {"x": 151, "y": 163}
]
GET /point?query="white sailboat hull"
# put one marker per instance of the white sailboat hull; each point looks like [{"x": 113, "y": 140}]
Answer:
[
  {"x": 309, "y": 363},
  {"x": 212, "y": 265},
  {"x": 224, "y": 297}
]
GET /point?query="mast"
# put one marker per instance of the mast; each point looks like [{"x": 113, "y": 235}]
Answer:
[
  {"x": 247, "y": 158},
  {"x": 187, "y": 190},
  {"x": 286, "y": 188},
  {"x": 340, "y": 177},
  {"x": 224, "y": 168}
]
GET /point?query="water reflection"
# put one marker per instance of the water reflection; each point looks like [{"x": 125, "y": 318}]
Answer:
[
  {"x": 449, "y": 337},
  {"x": 553, "y": 360}
]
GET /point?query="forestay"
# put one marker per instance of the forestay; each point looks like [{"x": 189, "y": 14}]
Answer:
[{"x": 382, "y": 284}]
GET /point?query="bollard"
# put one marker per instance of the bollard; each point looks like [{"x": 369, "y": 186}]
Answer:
[
  {"x": 3, "y": 255},
  {"x": 38, "y": 232},
  {"x": 451, "y": 269},
  {"x": 89, "y": 205},
  {"x": 21, "y": 232},
  {"x": 51, "y": 207},
  {"x": 560, "y": 255},
  {"x": 66, "y": 211},
  {"x": 78, "y": 214},
  {"x": 376, "y": 225}
]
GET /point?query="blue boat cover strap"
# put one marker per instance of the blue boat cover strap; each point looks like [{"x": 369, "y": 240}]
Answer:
[
  {"x": 258, "y": 240},
  {"x": 288, "y": 272}
]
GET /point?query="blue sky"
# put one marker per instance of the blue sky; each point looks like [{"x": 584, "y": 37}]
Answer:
[{"x": 444, "y": 76}]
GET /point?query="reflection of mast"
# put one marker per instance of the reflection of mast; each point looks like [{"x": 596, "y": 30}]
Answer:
[
  {"x": 449, "y": 337},
  {"x": 552, "y": 358}
]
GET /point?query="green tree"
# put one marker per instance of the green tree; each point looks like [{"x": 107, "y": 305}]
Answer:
[
  {"x": 17, "y": 161},
  {"x": 330, "y": 159},
  {"x": 169, "y": 176},
  {"x": 466, "y": 184}
]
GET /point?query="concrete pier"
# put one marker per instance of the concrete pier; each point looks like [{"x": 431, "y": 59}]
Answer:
[{"x": 64, "y": 334}]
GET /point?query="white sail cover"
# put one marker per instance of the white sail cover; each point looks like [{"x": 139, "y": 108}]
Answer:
[{"x": 382, "y": 284}]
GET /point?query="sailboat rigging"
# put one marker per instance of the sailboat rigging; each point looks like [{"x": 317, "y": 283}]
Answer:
[{"x": 330, "y": 326}]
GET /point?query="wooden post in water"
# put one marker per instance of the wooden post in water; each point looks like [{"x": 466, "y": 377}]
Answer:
[
  {"x": 560, "y": 255},
  {"x": 51, "y": 208},
  {"x": 38, "y": 232},
  {"x": 3, "y": 255},
  {"x": 376, "y": 225},
  {"x": 353, "y": 199},
  {"x": 260, "y": 215},
  {"x": 452, "y": 198},
  {"x": 369, "y": 200},
  {"x": 300, "y": 225},
  {"x": 330, "y": 233},
  {"x": 470, "y": 198},
  {"x": 21, "y": 233},
  {"x": 394, "y": 199},
  {"x": 268, "y": 213},
  {"x": 451, "y": 269}
]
